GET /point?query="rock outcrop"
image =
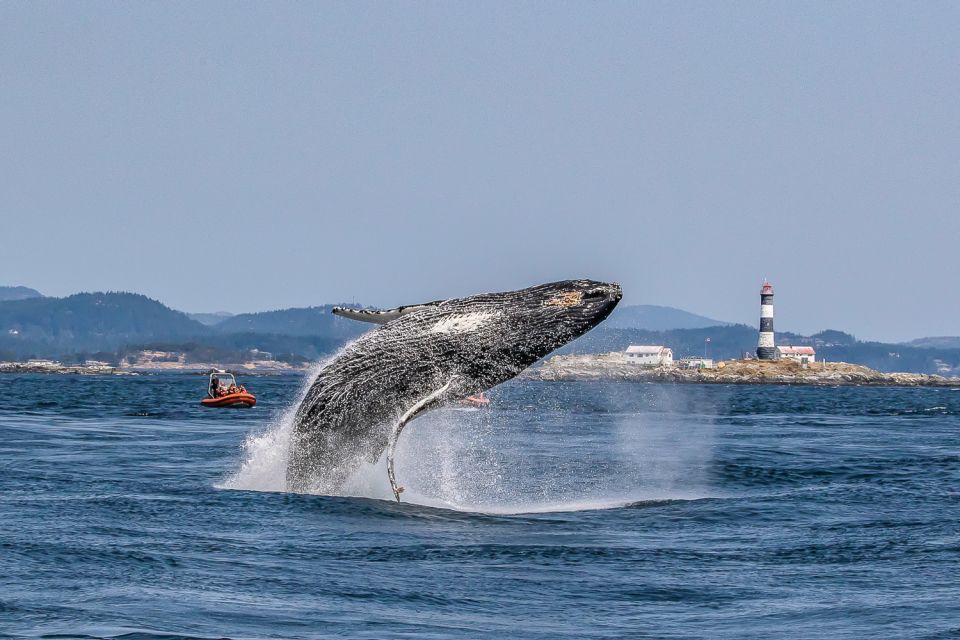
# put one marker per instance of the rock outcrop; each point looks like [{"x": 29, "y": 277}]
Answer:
[{"x": 613, "y": 367}]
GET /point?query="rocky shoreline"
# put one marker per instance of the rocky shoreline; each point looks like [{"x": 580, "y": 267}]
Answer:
[
  {"x": 613, "y": 367},
  {"x": 134, "y": 370},
  {"x": 96, "y": 370},
  {"x": 592, "y": 367}
]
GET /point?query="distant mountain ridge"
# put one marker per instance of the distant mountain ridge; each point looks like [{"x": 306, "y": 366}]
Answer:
[
  {"x": 105, "y": 322},
  {"x": 18, "y": 293},
  {"x": 100, "y": 321},
  {"x": 297, "y": 321},
  {"x": 658, "y": 318},
  {"x": 210, "y": 319},
  {"x": 936, "y": 342}
]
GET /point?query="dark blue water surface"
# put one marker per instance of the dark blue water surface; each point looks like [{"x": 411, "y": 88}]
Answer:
[{"x": 564, "y": 510}]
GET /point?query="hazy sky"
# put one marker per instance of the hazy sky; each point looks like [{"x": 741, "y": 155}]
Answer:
[{"x": 397, "y": 152}]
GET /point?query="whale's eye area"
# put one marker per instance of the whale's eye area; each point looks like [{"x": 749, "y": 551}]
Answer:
[{"x": 565, "y": 299}]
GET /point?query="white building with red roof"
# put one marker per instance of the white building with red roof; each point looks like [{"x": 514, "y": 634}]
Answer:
[{"x": 802, "y": 355}]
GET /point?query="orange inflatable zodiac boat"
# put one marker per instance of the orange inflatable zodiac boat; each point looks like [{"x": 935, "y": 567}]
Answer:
[{"x": 223, "y": 391}]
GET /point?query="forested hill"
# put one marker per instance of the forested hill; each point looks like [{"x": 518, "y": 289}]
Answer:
[
  {"x": 306, "y": 321},
  {"x": 89, "y": 322},
  {"x": 657, "y": 318},
  {"x": 18, "y": 293},
  {"x": 109, "y": 324}
]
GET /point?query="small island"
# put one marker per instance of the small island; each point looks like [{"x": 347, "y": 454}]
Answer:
[{"x": 615, "y": 367}]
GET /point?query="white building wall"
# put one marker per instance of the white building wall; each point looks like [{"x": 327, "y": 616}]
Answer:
[
  {"x": 799, "y": 357},
  {"x": 663, "y": 357}
]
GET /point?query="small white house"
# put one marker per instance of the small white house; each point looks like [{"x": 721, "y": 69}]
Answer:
[
  {"x": 803, "y": 355},
  {"x": 650, "y": 356}
]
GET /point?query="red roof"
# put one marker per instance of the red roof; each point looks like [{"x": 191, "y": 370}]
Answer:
[{"x": 799, "y": 351}]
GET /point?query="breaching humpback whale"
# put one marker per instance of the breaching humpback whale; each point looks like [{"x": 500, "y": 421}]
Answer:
[{"x": 421, "y": 357}]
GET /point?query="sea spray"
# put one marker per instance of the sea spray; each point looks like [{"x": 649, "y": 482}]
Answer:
[
  {"x": 520, "y": 457},
  {"x": 267, "y": 450},
  {"x": 662, "y": 450}
]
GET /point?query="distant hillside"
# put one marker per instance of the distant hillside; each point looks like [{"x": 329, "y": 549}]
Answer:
[
  {"x": 657, "y": 318},
  {"x": 830, "y": 338},
  {"x": 937, "y": 342},
  {"x": 89, "y": 322},
  {"x": 18, "y": 293},
  {"x": 210, "y": 319},
  {"x": 308, "y": 321},
  {"x": 240, "y": 347}
]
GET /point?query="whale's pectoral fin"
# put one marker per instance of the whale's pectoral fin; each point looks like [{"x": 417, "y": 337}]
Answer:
[
  {"x": 381, "y": 316},
  {"x": 420, "y": 406}
]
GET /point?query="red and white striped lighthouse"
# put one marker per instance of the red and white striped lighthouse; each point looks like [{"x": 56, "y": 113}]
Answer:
[{"x": 765, "y": 347}]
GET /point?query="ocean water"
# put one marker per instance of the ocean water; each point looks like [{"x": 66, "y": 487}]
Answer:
[{"x": 562, "y": 511}]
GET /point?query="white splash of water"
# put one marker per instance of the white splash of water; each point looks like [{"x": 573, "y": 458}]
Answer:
[
  {"x": 265, "y": 452},
  {"x": 492, "y": 463},
  {"x": 516, "y": 461}
]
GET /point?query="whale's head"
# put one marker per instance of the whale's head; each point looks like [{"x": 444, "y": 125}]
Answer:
[
  {"x": 548, "y": 316},
  {"x": 517, "y": 328}
]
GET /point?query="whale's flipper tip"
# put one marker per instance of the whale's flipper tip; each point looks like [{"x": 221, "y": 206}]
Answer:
[
  {"x": 374, "y": 316},
  {"x": 411, "y": 413}
]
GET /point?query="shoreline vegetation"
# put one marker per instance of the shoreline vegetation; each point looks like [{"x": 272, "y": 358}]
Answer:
[{"x": 611, "y": 367}]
